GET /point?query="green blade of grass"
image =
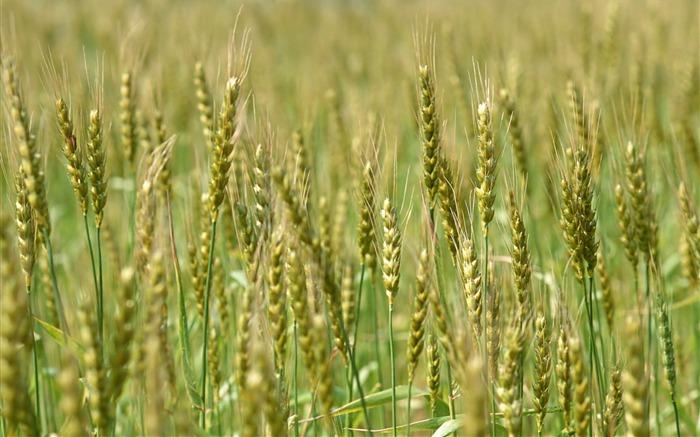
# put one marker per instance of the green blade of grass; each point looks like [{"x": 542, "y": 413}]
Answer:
[{"x": 60, "y": 338}]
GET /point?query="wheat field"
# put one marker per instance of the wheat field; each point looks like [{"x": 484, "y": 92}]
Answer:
[{"x": 361, "y": 217}]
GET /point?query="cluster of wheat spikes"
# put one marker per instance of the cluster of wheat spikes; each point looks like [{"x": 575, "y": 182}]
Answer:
[{"x": 200, "y": 247}]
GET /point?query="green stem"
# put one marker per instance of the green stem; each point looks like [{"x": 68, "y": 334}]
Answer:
[
  {"x": 372, "y": 299},
  {"x": 183, "y": 326},
  {"x": 485, "y": 299},
  {"x": 375, "y": 328},
  {"x": 207, "y": 291},
  {"x": 348, "y": 399},
  {"x": 453, "y": 413},
  {"x": 493, "y": 409},
  {"x": 357, "y": 309},
  {"x": 54, "y": 282},
  {"x": 351, "y": 354},
  {"x": 393, "y": 369},
  {"x": 441, "y": 288},
  {"x": 357, "y": 319},
  {"x": 651, "y": 365},
  {"x": 675, "y": 411},
  {"x": 100, "y": 296},
  {"x": 294, "y": 382},
  {"x": 92, "y": 263},
  {"x": 592, "y": 349},
  {"x": 602, "y": 383},
  {"x": 408, "y": 408},
  {"x": 37, "y": 386}
]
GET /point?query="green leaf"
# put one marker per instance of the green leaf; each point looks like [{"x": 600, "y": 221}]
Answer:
[
  {"x": 374, "y": 400},
  {"x": 442, "y": 408},
  {"x": 240, "y": 277},
  {"x": 501, "y": 430},
  {"x": 425, "y": 424},
  {"x": 377, "y": 399},
  {"x": 185, "y": 352},
  {"x": 60, "y": 338},
  {"x": 447, "y": 428}
]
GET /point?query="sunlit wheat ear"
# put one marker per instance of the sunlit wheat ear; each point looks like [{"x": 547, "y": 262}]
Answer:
[
  {"x": 96, "y": 163},
  {"x": 165, "y": 176},
  {"x": 642, "y": 211},
  {"x": 222, "y": 291},
  {"x": 635, "y": 382},
  {"x": 124, "y": 337},
  {"x": 145, "y": 221},
  {"x": 471, "y": 280},
  {"x": 214, "y": 364},
  {"x": 580, "y": 118},
  {"x": 613, "y": 403},
  {"x": 493, "y": 331},
  {"x": 448, "y": 208},
  {"x": 578, "y": 217},
  {"x": 520, "y": 255},
  {"x": 15, "y": 342},
  {"x": 507, "y": 391},
  {"x": 223, "y": 146},
  {"x": 95, "y": 371},
  {"x": 157, "y": 322},
  {"x": 348, "y": 295},
  {"x": 73, "y": 154},
  {"x": 26, "y": 229},
  {"x": 474, "y": 398},
  {"x": 302, "y": 162},
  {"x": 154, "y": 420},
  {"x": 30, "y": 155},
  {"x": 243, "y": 335},
  {"x": 295, "y": 211},
  {"x": 297, "y": 293},
  {"x": 267, "y": 391},
  {"x": 582, "y": 407},
  {"x": 127, "y": 119},
  {"x": 248, "y": 239},
  {"x": 486, "y": 171},
  {"x": 366, "y": 231},
  {"x": 691, "y": 235},
  {"x": 277, "y": 306},
  {"x": 430, "y": 132},
  {"x": 515, "y": 132},
  {"x": 608, "y": 297},
  {"x": 391, "y": 252},
  {"x": 262, "y": 191},
  {"x": 204, "y": 103},
  {"x": 339, "y": 225},
  {"x": 563, "y": 372},
  {"x": 626, "y": 225},
  {"x": 433, "y": 372},
  {"x": 201, "y": 252},
  {"x": 444, "y": 331},
  {"x": 250, "y": 405},
  {"x": 420, "y": 311},
  {"x": 323, "y": 380},
  {"x": 666, "y": 340},
  {"x": 71, "y": 403},
  {"x": 324, "y": 230},
  {"x": 543, "y": 368}
]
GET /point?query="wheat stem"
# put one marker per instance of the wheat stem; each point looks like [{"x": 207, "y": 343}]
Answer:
[
  {"x": 37, "y": 386},
  {"x": 92, "y": 257},
  {"x": 207, "y": 291},
  {"x": 393, "y": 369},
  {"x": 54, "y": 284},
  {"x": 357, "y": 319},
  {"x": 408, "y": 408},
  {"x": 294, "y": 382}
]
